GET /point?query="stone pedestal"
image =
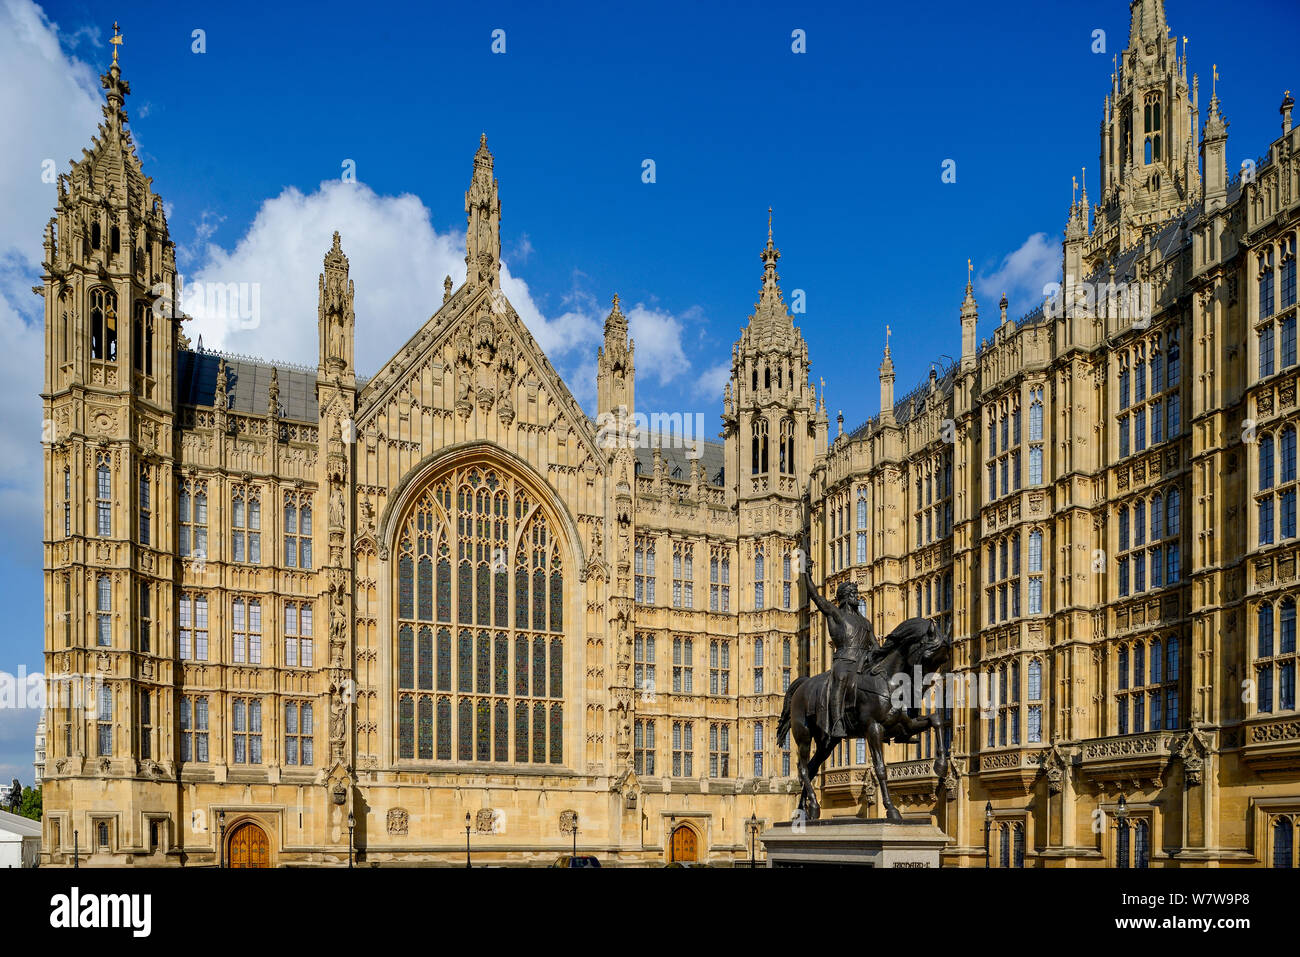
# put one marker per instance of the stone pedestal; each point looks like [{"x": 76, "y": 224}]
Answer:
[{"x": 854, "y": 841}]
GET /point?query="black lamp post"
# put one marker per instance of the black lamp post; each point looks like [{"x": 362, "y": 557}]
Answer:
[
  {"x": 753, "y": 836},
  {"x": 988, "y": 824},
  {"x": 672, "y": 826},
  {"x": 575, "y": 833},
  {"x": 467, "y": 863},
  {"x": 1121, "y": 826},
  {"x": 352, "y": 822},
  {"x": 221, "y": 824},
  {"x": 76, "y": 851}
]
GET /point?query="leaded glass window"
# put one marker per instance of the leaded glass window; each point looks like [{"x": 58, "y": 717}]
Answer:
[{"x": 475, "y": 549}]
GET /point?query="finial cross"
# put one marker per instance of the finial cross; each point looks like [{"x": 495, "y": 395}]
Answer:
[{"x": 116, "y": 39}]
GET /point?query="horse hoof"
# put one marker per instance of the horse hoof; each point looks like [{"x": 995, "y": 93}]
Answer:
[{"x": 894, "y": 816}]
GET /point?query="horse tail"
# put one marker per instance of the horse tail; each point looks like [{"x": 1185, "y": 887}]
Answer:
[{"x": 783, "y": 725}]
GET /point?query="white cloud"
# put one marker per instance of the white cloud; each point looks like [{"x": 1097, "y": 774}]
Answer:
[
  {"x": 711, "y": 383},
  {"x": 397, "y": 260},
  {"x": 1023, "y": 273}
]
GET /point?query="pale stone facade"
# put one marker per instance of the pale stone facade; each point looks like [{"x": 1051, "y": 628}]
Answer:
[{"x": 441, "y": 598}]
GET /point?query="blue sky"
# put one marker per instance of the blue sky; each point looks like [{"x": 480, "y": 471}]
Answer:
[{"x": 245, "y": 142}]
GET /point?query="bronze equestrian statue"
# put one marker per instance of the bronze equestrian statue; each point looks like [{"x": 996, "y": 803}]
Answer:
[{"x": 853, "y": 699}]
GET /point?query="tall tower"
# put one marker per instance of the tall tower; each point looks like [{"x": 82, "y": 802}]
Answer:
[
  {"x": 771, "y": 432},
  {"x": 1149, "y": 168},
  {"x": 483, "y": 231},
  {"x": 111, "y": 335}
]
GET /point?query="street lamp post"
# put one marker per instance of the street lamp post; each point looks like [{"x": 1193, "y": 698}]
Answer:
[
  {"x": 988, "y": 824},
  {"x": 221, "y": 854},
  {"x": 467, "y": 863},
  {"x": 575, "y": 833},
  {"x": 753, "y": 836},
  {"x": 352, "y": 822},
  {"x": 672, "y": 826},
  {"x": 76, "y": 851},
  {"x": 1121, "y": 825}
]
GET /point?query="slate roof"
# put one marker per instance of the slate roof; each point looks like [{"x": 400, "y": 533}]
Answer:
[
  {"x": 676, "y": 459},
  {"x": 248, "y": 382}
]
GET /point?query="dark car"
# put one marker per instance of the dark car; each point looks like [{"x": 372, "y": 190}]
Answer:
[{"x": 580, "y": 861}]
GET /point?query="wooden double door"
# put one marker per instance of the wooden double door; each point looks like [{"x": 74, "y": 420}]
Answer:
[
  {"x": 685, "y": 846},
  {"x": 247, "y": 846}
]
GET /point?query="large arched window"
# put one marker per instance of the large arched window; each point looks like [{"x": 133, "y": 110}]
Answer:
[{"x": 479, "y": 623}]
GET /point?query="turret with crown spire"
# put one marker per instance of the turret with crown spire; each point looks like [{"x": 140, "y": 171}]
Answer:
[
  {"x": 108, "y": 255},
  {"x": 1149, "y": 168},
  {"x": 769, "y": 421}
]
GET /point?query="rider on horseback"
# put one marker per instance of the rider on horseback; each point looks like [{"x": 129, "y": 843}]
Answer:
[{"x": 852, "y": 640}]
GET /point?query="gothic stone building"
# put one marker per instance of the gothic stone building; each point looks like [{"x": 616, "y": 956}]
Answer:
[{"x": 318, "y": 606}]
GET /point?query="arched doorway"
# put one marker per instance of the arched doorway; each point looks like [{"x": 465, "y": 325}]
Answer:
[
  {"x": 247, "y": 846},
  {"x": 685, "y": 845}
]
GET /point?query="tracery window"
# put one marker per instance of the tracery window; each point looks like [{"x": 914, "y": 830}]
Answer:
[
  {"x": 103, "y": 496},
  {"x": 192, "y": 507},
  {"x": 297, "y": 529},
  {"x": 246, "y": 631},
  {"x": 246, "y": 525},
  {"x": 479, "y": 629},
  {"x": 1148, "y": 684},
  {"x": 719, "y": 579},
  {"x": 1275, "y": 486},
  {"x": 1275, "y": 655},
  {"x": 645, "y": 570},
  {"x": 719, "y": 666}
]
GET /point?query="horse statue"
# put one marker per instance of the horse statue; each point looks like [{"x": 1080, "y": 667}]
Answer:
[{"x": 853, "y": 699}]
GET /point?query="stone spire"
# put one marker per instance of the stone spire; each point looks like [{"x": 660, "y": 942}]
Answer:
[
  {"x": 1146, "y": 21},
  {"x": 886, "y": 385},
  {"x": 615, "y": 365},
  {"x": 483, "y": 228},
  {"x": 771, "y": 318},
  {"x": 1214, "y": 155},
  {"x": 336, "y": 319},
  {"x": 969, "y": 320}
]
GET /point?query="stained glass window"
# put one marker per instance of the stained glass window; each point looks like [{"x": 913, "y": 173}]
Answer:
[
  {"x": 539, "y": 732},
  {"x": 465, "y": 662},
  {"x": 501, "y": 665},
  {"x": 501, "y": 731},
  {"x": 405, "y": 657},
  {"x": 426, "y": 588},
  {"x": 426, "y": 658},
  {"x": 444, "y": 729},
  {"x": 426, "y": 727},
  {"x": 483, "y": 664},
  {"x": 539, "y": 665},
  {"x": 444, "y": 583},
  {"x": 557, "y": 668},
  {"x": 557, "y": 733},
  {"x": 521, "y": 731},
  {"x": 406, "y": 726},
  {"x": 490, "y": 524},
  {"x": 484, "y": 733},
  {"x": 557, "y": 600},
  {"x": 465, "y": 722},
  {"x": 444, "y": 659},
  {"x": 405, "y": 587}
]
